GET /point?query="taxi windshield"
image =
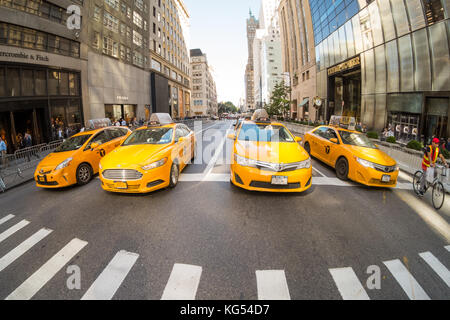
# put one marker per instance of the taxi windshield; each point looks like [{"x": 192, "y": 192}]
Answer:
[
  {"x": 264, "y": 133},
  {"x": 356, "y": 139},
  {"x": 73, "y": 143},
  {"x": 150, "y": 136}
]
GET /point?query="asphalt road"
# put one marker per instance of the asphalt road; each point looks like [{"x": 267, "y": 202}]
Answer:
[{"x": 208, "y": 240}]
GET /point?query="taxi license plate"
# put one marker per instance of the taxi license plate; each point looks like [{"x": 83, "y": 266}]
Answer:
[
  {"x": 279, "y": 180},
  {"x": 386, "y": 178},
  {"x": 121, "y": 185}
]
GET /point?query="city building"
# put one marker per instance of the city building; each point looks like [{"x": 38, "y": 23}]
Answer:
[
  {"x": 386, "y": 63},
  {"x": 252, "y": 25},
  {"x": 170, "y": 78},
  {"x": 204, "y": 93},
  {"x": 298, "y": 54},
  {"x": 267, "y": 60}
]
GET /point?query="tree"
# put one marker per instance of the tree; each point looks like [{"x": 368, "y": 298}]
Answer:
[
  {"x": 227, "y": 107},
  {"x": 280, "y": 102}
]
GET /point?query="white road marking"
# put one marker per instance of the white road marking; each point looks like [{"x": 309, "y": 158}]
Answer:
[
  {"x": 109, "y": 281},
  {"x": 437, "y": 266},
  {"x": 7, "y": 218},
  {"x": 272, "y": 285},
  {"x": 196, "y": 133},
  {"x": 448, "y": 248},
  {"x": 214, "y": 159},
  {"x": 319, "y": 172},
  {"x": 13, "y": 229},
  {"x": 38, "y": 279},
  {"x": 348, "y": 284},
  {"x": 183, "y": 282},
  {"x": 18, "y": 251},
  {"x": 405, "y": 279}
]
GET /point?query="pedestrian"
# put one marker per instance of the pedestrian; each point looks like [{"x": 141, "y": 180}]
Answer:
[
  {"x": 123, "y": 123},
  {"x": 364, "y": 129},
  {"x": 3, "y": 151},
  {"x": 448, "y": 144},
  {"x": 117, "y": 123},
  {"x": 429, "y": 161},
  {"x": 28, "y": 143},
  {"x": 19, "y": 139}
]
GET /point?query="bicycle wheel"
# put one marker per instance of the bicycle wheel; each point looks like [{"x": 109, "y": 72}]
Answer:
[
  {"x": 416, "y": 181},
  {"x": 438, "y": 196}
]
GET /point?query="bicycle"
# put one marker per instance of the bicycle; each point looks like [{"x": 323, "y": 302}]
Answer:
[{"x": 438, "y": 194}]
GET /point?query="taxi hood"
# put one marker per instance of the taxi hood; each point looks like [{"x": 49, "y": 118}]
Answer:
[
  {"x": 372, "y": 155},
  {"x": 55, "y": 158},
  {"x": 273, "y": 152},
  {"x": 133, "y": 155}
]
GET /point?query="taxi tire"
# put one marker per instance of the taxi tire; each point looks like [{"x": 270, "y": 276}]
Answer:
[
  {"x": 342, "y": 169},
  {"x": 172, "y": 168},
  {"x": 308, "y": 148},
  {"x": 89, "y": 169}
]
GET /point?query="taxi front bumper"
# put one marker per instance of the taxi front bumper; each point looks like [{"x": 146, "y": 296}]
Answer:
[
  {"x": 150, "y": 181},
  {"x": 254, "y": 179},
  {"x": 372, "y": 177},
  {"x": 50, "y": 179}
]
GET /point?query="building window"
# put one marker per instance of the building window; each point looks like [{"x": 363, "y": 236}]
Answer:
[
  {"x": 110, "y": 47},
  {"x": 433, "y": 11},
  {"x": 113, "y": 4},
  {"x": 111, "y": 22},
  {"x": 137, "y": 38},
  {"x": 97, "y": 13},
  {"x": 137, "y": 19},
  {"x": 139, "y": 4}
]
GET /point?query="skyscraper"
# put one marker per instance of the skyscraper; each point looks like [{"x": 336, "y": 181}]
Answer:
[{"x": 252, "y": 25}]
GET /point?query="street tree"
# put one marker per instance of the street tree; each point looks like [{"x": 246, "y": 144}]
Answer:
[{"x": 280, "y": 100}]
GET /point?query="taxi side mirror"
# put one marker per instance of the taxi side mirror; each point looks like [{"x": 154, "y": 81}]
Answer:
[
  {"x": 181, "y": 139},
  {"x": 94, "y": 145},
  {"x": 231, "y": 136},
  {"x": 298, "y": 139},
  {"x": 334, "y": 140}
]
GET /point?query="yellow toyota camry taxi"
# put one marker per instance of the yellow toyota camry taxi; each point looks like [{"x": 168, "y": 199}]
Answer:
[
  {"x": 76, "y": 160},
  {"x": 266, "y": 156},
  {"x": 352, "y": 154},
  {"x": 151, "y": 158}
]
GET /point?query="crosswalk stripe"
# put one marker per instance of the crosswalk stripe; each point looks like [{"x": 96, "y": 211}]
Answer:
[
  {"x": 18, "y": 251},
  {"x": 437, "y": 266},
  {"x": 411, "y": 287},
  {"x": 183, "y": 282},
  {"x": 4, "y": 219},
  {"x": 272, "y": 285},
  {"x": 109, "y": 281},
  {"x": 348, "y": 284},
  {"x": 448, "y": 248},
  {"x": 13, "y": 229},
  {"x": 38, "y": 279}
]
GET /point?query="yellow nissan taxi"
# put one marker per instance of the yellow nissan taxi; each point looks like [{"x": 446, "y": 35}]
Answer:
[
  {"x": 351, "y": 153},
  {"x": 266, "y": 156},
  {"x": 151, "y": 158},
  {"x": 76, "y": 160}
]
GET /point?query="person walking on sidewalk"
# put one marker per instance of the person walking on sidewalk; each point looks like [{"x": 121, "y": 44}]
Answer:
[
  {"x": 2, "y": 152},
  {"x": 429, "y": 161}
]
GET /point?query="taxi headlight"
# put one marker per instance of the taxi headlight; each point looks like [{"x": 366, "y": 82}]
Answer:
[
  {"x": 245, "y": 162},
  {"x": 155, "y": 165},
  {"x": 304, "y": 164},
  {"x": 100, "y": 166},
  {"x": 365, "y": 163},
  {"x": 64, "y": 164}
]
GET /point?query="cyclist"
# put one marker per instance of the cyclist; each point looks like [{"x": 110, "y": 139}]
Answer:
[{"x": 429, "y": 160}]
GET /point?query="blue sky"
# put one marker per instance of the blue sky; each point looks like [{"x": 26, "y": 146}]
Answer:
[{"x": 218, "y": 28}]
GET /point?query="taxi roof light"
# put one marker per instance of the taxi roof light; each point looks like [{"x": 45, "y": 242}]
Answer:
[
  {"x": 343, "y": 122},
  {"x": 158, "y": 119},
  {"x": 94, "y": 124}
]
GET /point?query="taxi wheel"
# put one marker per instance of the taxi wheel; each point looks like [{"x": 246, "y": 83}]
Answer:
[
  {"x": 84, "y": 174},
  {"x": 342, "y": 169},
  {"x": 308, "y": 148},
  {"x": 174, "y": 175}
]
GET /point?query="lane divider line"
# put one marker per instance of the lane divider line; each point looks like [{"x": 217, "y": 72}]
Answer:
[
  {"x": 183, "y": 282},
  {"x": 272, "y": 285}
]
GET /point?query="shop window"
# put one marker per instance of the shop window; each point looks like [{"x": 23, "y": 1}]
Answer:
[
  {"x": 58, "y": 112},
  {"x": 74, "y": 115},
  {"x": 27, "y": 83},
  {"x": 64, "y": 84},
  {"x": 64, "y": 47},
  {"x": 74, "y": 84},
  {"x": 40, "y": 83},
  {"x": 29, "y": 38},
  {"x": 433, "y": 11},
  {"x": 13, "y": 82},
  {"x": 15, "y": 36},
  {"x": 53, "y": 44},
  {"x": 53, "y": 83}
]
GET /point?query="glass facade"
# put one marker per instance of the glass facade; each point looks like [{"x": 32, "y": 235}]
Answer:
[{"x": 403, "y": 48}]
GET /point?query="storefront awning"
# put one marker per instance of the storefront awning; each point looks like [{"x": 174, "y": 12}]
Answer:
[{"x": 305, "y": 101}]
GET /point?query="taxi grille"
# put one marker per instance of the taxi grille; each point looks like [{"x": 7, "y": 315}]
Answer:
[
  {"x": 385, "y": 169},
  {"x": 268, "y": 185},
  {"x": 122, "y": 175}
]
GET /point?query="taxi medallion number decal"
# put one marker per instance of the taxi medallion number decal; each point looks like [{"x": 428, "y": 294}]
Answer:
[{"x": 327, "y": 149}]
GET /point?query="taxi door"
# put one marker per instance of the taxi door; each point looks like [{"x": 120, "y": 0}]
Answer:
[
  {"x": 316, "y": 143},
  {"x": 117, "y": 136},
  {"x": 181, "y": 147},
  {"x": 330, "y": 149},
  {"x": 93, "y": 156}
]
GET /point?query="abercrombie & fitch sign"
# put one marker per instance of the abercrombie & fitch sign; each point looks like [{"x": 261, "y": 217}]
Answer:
[{"x": 23, "y": 55}]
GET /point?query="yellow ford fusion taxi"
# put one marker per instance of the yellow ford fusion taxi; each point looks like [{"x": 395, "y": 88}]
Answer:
[
  {"x": 267, "y": 157},
  {"x": 151, "y": 158},
  {"x": 351, "y": 153},
  {"x": 76, "y": 160}
]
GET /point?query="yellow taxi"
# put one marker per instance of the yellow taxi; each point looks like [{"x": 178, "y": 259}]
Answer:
[
  {"x": 151, "y": 158},
  {"x": 267, "y": 157},
  {"x": 351, "y": 153},
  {"x": 77, "y": 159}
]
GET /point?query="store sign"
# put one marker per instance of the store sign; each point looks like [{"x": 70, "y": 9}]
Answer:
[
  {"x": 23, "y": 55},
  {"x": 347, "y": 65},
  {"x": 123, "y": 98}
]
